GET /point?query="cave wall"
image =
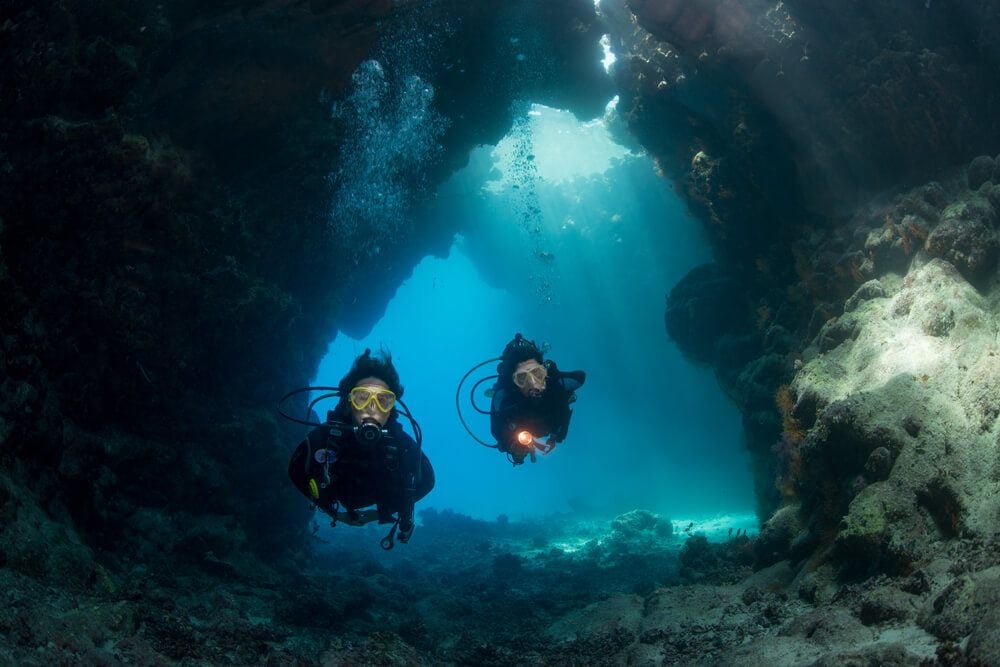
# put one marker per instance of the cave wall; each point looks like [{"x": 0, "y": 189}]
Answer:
[
  {"x": 169, "y": 261},
  {"x": 163, "y": 229},
  {"x": 849, "y": 313},
  {"x": 782, "y": 123}
]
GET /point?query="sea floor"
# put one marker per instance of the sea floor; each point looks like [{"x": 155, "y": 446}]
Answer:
[{"x": 566, "y": 589}]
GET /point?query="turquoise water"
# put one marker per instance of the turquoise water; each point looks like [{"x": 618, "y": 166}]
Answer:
[{"x": 571, "y": 239}]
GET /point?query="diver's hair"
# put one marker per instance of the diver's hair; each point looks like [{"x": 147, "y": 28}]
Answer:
[
  {"x": 517, "y": 350},
  {"x": 368, "y": 365}
]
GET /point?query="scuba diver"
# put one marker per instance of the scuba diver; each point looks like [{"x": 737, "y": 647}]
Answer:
[
  {"x": 361, "y": 457},
  {"x": 530, "y": 400}
]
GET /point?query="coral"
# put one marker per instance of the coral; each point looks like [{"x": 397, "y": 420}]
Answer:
[
  {"x": 879, "y": 464},
  {"x": 886, "y": 606},
  {"x": 787, "y": 448},
  {"x": 872, "y": 289},
  {"x": 943, "y": 504},
  {"x": 967, "y": 605},
  {"x": 704, "y": 309},
  {"x": 836, "y": 331},
  {"x": 983, "y": 647},
  {"x": 980, "y": 171},
  {"x": 786, "y": 401},
  {"x": 776, "y": 535},
  {"x": 967, "y": 241},
  {"x": 381, "y": 648},
  {"x": 633, "y": 524}
]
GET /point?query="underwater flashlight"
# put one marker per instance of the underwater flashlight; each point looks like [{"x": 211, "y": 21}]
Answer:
[{"x": 525, "y": 438}]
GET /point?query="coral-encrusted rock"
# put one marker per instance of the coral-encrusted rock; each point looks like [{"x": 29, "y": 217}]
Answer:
[
  {"x": 980, "y": 171},
  {"x": 872, "y": 289},
  {"x": 904, "y": 444},
  {"x": 870, "y": 541},
  {"x": 984, "y": 641},
  {"x": 617, "y": 612},
  {"x": 966, "y": 238},
  {"x": 32, "y": 543},
  {"x": 844, "y": 439},
  {"x": 885, "y": 251},
  {"x": 381, "y": 648},
  {"x": 836, "y": 331},
  {"x": 963, "y": 605},
  {"x": 633, "y": 523},
  {"x": 879, "y": 464},
  {"x": 775, "y": 538},
  {"x": 991, "y": 191},
  {"x": 703, "y": 309},
  {"x": 883, "y": 605},
  {"x": 980, "y": 395},
  {"x": 944, "y": 505}
]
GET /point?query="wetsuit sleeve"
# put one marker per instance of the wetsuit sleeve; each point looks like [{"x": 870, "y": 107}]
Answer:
[
  {"x": 570, "y": 382},
  {"x": 499, "y": 408},
  {"x": 412, "y": 482}
]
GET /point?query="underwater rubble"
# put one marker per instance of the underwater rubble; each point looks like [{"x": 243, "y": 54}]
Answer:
[{"x": 635, "y": 589}]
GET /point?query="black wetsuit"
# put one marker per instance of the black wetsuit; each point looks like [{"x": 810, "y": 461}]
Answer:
[
  {"x": 392, "y": 474},
  {"x": 547, "y": 415}
]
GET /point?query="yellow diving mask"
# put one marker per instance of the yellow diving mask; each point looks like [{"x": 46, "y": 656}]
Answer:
[
  {"x": 362, "y": 397},
  {"x": 537, "y": 373}
]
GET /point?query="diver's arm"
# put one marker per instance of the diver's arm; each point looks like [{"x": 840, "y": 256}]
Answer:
[
  {"x": 306, "y": 473},
  {"x": 498, "y": 423},
  {"x": 560, "y": 432},
  {"x": 411, "y": 479},
  {"x": 570, "y": 380},
  {"x": 573, "y": 380}
]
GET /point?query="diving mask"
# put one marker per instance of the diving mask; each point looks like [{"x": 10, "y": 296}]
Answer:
[
  {"x": 536, "y": 373},
  {"x": 362, "y": 397}
]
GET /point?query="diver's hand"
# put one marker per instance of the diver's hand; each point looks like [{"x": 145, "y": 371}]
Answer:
[
  {"x": 518, "y": 452},
  {"x": 405, "y": 529}
]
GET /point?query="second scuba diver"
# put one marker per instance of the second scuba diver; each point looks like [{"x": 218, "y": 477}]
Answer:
[
  {"x": 531, "y": 400},
  {"x": 362, "y": 457}
]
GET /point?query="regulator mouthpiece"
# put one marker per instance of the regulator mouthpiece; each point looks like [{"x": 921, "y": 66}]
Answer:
[{"x": 369, "y": 433}]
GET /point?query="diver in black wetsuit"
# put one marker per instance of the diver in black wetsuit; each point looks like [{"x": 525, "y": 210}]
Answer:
[
  {"x": 531, "y": 400},
  {"x": 361, "y": 457}
]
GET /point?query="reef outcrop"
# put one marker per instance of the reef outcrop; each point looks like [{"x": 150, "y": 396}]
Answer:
[
  {"x": 860, "y": 342},
  {"x": 797, "y": 120}
]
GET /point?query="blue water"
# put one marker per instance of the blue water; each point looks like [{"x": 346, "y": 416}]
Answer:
[{"x": 573, "y": 240}]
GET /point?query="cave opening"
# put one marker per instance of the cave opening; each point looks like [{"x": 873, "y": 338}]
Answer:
[{"x": 568, "y": 234}]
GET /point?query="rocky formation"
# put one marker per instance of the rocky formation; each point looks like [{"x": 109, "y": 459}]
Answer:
[
  {"x": 169, "y": 259},
  {"x": 787, "y": 119},
  {"x": 871, "y": 319},
  {"x": 158, "y": 289}
]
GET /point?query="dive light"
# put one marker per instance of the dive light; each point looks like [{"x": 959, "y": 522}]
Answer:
[{"x": 531, "y": 442}]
